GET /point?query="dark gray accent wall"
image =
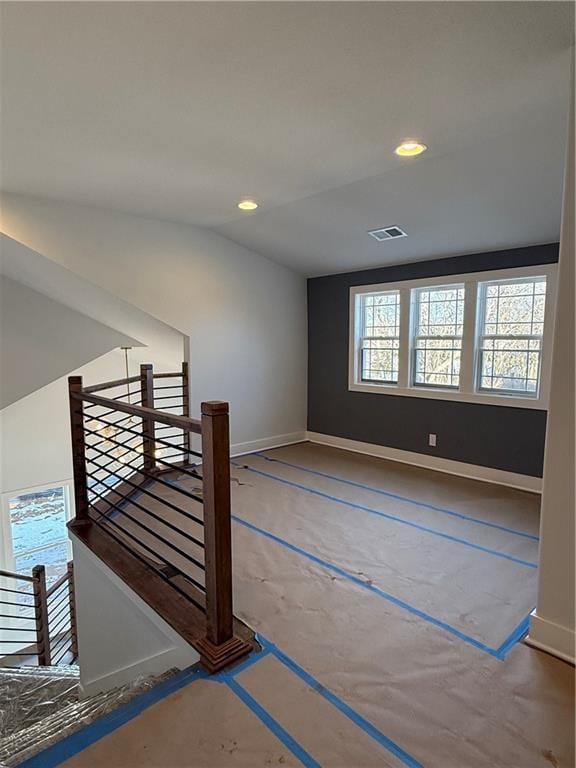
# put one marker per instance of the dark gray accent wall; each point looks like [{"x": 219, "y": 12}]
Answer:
[{"x": 496, "y": 436}]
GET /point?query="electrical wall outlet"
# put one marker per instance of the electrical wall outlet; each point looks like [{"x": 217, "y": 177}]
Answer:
[{"x": 432, "y": 440}]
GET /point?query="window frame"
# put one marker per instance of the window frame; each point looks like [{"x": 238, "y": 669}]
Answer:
[
  {"x": 467, "y": 390},
  {"x": 7, "y": 560},
  {"x": 364, "y": 337},
  {"x": 481, "y": 336},
  {"x": 414, "y": 299}
]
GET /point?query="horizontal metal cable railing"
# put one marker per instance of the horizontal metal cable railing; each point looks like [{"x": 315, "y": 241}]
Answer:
[
  {"x": 19, "y": 616},
  {"x": 131, "y": 437},
  {"x": 37, "y": 623},
  {"x": 61, "y": 619}
]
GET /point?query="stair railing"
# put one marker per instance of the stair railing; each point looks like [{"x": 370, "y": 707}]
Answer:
[
  {"x": 132, "y": 448},
  {"x": 36, "y": 620},
  {"x": 60, "y": 602}
]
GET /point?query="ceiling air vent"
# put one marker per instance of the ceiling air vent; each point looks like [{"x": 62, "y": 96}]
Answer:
[{"x": 386, "y": 233}]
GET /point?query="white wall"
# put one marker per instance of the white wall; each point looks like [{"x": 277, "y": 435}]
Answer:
[
  {"x": 42, "y": 340},
  {"x": 245, "y": 315},
  {"x": 120, "y": 638},
  {"x": 30, "y": 268},
  {"x": 552, "y": 626},
  {"x": 35, "y": 431}
]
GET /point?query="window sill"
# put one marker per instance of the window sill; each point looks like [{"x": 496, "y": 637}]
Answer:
[{"x": 510, "y": 401}]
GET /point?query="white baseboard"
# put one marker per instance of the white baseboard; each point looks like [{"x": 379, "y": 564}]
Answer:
[
  {"x": 471, "y": 471},
  {"x": 277, "y": 441},
  {"x": 553, "y": 638},
  {"x": 170, "y": 658}
]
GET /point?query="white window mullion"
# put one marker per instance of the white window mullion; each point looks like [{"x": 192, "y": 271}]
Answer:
[
  {"x": 468, "y": 355},
  {"x": 404, "y": 354},
  {"x": 6, "y": 546}
]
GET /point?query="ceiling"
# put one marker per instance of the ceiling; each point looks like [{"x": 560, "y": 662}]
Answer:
[{"x": 178, "y": 110}]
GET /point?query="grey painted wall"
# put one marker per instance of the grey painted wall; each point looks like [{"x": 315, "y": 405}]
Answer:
[{"x": 505, "y": 438}]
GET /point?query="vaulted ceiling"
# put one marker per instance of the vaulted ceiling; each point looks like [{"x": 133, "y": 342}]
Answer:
[{"x": 178, "y": 110}]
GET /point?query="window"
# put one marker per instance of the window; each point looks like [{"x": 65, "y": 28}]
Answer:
[
  {"x": 511, "y": 334},
  {"x": 380, "y": 342},
  {"x": 36, "y": 533},
  {"x": 438, "y": 322},
  {"x": 482, "y": 337}
]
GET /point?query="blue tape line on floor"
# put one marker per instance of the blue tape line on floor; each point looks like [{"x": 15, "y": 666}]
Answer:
[
  {"x": 337, "y": 702},
  {"x": 246, "y": 663},
  {"x": 270, "y": 649},
  {"x": 498, "y": 653},
  {"x": 273, "y": 725},
  {"x": 397, "y": 496},
  {"x": 106, "y": 724},
  {"x": 371, "y": 588},
  {"x": 514, "y": 637},
  {"x": 378, "y": 513},
  {"x": 76, "y": 742}
]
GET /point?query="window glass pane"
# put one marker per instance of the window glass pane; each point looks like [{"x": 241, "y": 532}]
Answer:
[
  {"x": 439, "y": 315},
  {"x": 510, "y": 343},
  {"x": 39, "y": 534},
  {"x": 380, "y": 340},
  {"x": 382, "y": 314},
  {"x": 380, "y": 360}
]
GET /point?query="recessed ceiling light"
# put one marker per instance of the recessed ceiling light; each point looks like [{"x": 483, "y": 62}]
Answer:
[
  {"x": 247, "y": 205},
  {"x": 410, "y": 148}
]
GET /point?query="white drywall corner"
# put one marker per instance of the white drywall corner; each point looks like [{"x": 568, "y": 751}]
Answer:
[{"x": 120, "y": 638}]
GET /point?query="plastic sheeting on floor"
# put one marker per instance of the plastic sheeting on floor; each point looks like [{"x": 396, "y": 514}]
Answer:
[
  {"x": 394, "y": 600},
  {"x": 29, "y": 694},
  {"x": 39, "y": 706}
]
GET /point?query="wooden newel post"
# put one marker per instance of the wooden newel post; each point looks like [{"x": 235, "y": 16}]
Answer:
[
  {"x": 78, "y": 447},
  {"x": 41, "y": 615},
  {"x": 217, "y": 533},
  {"x": 220, "y": 646},
  {"x": 148, "y": 426},
  {"x": 72, "y": 603},
  {"x": 185, "y": 410}
]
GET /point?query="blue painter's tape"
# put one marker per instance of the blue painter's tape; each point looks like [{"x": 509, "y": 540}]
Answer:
[
  {"x": 273, "y": 725},
  {"x": 246, "y": 663},
  {"x": 515, "y": 636},
  {"x": 498, "y": 653},
  {"x": 417, "y": 503},
  {"x": 76, "y": 742},
  {"x": 370, "y": 587},
  {"x": 378, "y": 513},
  {"x": 350, "y": 713}
]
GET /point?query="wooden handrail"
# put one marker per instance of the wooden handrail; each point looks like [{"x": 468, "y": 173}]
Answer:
[
  {"x": 111, "y": 384},
  {"x": 219, "y": 646},
  {"x": 57, "y": 584},
  {"x": 172, "y": 420},
  {"x": 171, "y": 375},
  {"x": 19, "y": 576}
]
